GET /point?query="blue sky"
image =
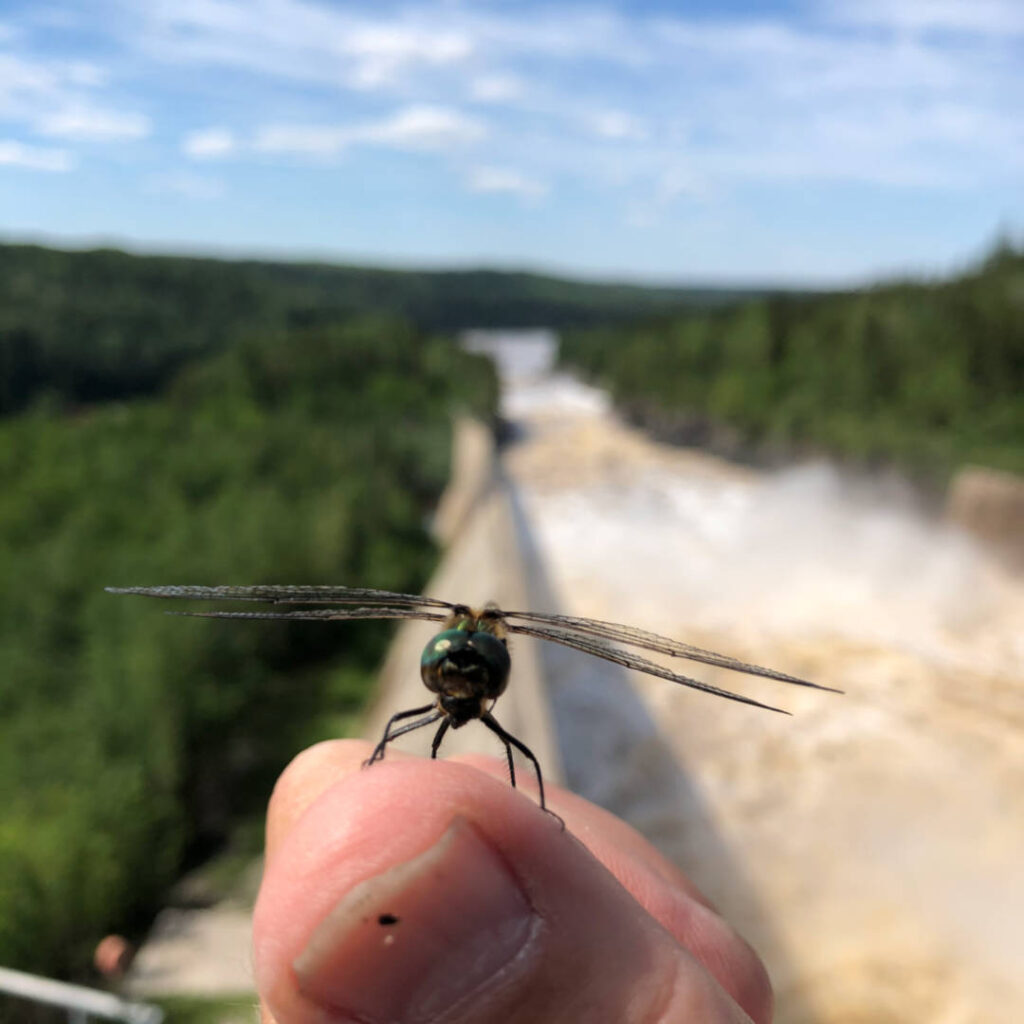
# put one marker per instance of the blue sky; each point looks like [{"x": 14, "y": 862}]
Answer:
[{"x": 817, "y": 141}]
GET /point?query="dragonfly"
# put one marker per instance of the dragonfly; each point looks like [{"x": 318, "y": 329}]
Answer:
[{"x": 466, "y": 665}]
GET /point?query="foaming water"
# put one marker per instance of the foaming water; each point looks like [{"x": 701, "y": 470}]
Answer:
[
  {"x": 806, "y": 550},
  {"x": 557, "y": 395}
]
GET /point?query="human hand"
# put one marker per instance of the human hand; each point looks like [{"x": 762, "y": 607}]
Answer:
[{"x": 432, "y": 891}]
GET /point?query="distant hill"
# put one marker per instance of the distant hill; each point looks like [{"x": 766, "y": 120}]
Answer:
[{"x": 103, "y": 324}]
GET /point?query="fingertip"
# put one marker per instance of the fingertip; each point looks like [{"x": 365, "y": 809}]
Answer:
[
  {"x": 304, "y": 779},
  {"x": 349, "y": 825},
  {"x": 393, "y": 875}
]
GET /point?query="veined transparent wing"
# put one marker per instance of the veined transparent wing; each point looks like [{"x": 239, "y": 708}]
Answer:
[
  {"x": 627, "y": 659},
  {"x": 374, "y": 604},
  {"x": 290, "y": 595},
  {"x": 632, "y": 636}
]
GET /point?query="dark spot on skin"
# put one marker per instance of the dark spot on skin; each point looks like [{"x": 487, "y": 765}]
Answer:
[{"x": 387, "y": 919}]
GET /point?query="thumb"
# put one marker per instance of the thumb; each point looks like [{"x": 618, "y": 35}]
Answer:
[{"x": 414, "y": 894}]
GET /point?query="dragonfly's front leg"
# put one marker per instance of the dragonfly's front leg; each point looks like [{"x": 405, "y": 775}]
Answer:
[
  {"x": 430, "y": 714},
  {"x": 438, "y": 737}
]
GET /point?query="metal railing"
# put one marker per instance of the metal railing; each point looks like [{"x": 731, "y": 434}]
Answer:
[{"x": 81, "y": 1003}]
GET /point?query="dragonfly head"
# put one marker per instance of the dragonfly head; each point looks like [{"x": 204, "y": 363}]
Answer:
[{"x": 468, "y": 669}]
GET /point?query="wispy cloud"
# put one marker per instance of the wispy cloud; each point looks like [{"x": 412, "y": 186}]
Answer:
[
  {"x": 492, "y": 88},
  {"x": 977, "y": 17},
  {"x": 26, "y": 84},
  {"x": 34, "y": 158},
  {"x": 301, "y": 40},
  {"x": 616, "y": 124},
  {"x": 424, "y": 127},
  {"x": 85, "y": 123},
  {"x": 412, "y": 128},
  {"x": 209, "y": 144},
  {"x": 302, "y": 139},
  {"x": 58, "y": 98},
  {"x": 382, "y": 53},
  {"x": 505, "y": 179}
]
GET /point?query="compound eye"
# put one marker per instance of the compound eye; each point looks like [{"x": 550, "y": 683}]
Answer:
[
  {"x": 494, "y": 652},
  {"x": 442, "y": 645},
  {"x": 461, "y": 664}
]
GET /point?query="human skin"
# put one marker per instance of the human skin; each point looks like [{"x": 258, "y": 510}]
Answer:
[{"x": 419, "y": 891}]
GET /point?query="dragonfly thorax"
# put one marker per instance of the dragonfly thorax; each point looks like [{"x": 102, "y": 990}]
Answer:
[{"x": 467, "y": 669}]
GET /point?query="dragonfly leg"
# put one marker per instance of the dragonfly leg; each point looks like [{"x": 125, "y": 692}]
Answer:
[
  {"x": 378, "y": 751},
  {"x": 510, "y": 741},
  {"x": 512, "y": 773},
  {"x": 438, "y": 737}
]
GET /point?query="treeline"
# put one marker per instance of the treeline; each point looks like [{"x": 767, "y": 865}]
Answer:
[
  {"x": 129, "y": 740},
  {"x": 927, "y": 376},
  {"x": 100, "y": 325}
]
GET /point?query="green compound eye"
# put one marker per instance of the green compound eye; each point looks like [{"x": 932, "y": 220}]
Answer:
[
  {"x": 457, "y": 660},
  {"x": 455, "y": 642},
  {"x": 441, "y": 646},
  {"x": 494, "y": 653}
]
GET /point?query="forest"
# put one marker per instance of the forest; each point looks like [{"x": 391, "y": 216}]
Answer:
[
  {"x": 924, "y": 376},
  {"x": 100, "y": 325},
  {"x": 132, "y": 743}
]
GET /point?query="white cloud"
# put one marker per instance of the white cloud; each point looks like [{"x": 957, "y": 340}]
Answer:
[
  {"x": 58, "y": 99},
  {"x": 302, "y": 139},
  {"x": 24, "y": 84},
  {"x": 503, "y": 179},
  {"x": 616, "y": 124},
  {"x": 564, "y": 33},
  {"x": 496, "y": 88},
  {"x": 383, "y": 53},
  {"x": 302, "y": 40},
  {"x": 983, "y": 17},
  {"x": 87, "y": 123},
  {"x": 412, "y": 128},
  {"x": 425, "y": 127},
  {"x": 35, "y": 158},
  {"x": 209, "y": 144}
]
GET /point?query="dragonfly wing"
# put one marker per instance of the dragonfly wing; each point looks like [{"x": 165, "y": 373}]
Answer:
[
  {"x": 634, "y": 637},
  {"x": 290, "y": 595},
  {"x": 627, "y": 659},
  {"x": 328, "y": 614}
]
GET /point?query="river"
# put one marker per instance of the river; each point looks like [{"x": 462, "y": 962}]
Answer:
[{"x": 870, "y": 846}]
